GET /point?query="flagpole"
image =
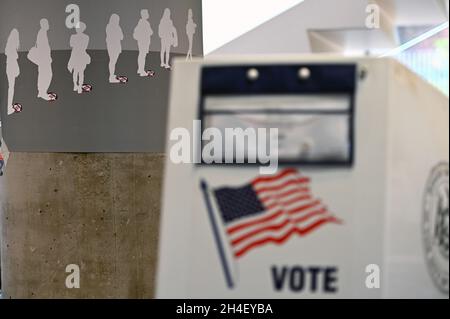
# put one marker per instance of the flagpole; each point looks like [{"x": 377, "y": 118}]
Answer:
[{"x": 223, "y": 259}]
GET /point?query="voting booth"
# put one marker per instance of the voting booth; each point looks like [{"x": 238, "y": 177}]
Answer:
[{"x": 357, "y": 206}]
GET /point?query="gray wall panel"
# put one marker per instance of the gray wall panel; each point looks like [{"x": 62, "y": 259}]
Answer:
[{"x": 113, "y": 117}]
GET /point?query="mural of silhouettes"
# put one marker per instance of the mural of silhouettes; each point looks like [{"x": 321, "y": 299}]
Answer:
[
  {"x": 169, "y": 38},
  {"x": 142, "y": 34},
  {"x": 79, "y": 58},
  {"x": 103, "y": 61},
  {"x": 191, "y": 28},
  {"x": 114, "y": 37},
  {"x": 41, "y": 55},
  {"x": 12, "y": 69}
]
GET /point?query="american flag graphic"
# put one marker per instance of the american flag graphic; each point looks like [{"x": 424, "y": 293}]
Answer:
[{"x": 270, "y": 210}]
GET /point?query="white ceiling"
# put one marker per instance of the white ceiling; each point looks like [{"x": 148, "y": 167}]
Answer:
[
  {"x": 312, "y": 25},
  {"x": 288, "y": 32},
  {"x": 225, "y": 20}
]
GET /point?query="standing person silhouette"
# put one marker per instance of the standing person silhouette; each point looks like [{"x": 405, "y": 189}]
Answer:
[
  {"x": 191, "y": 27},
  {"x": 114, "y": 37},
  {"x": 79, "y": 58},
  {"x": 41, "y": 55},
  {"x": 169, "y": 38},
  {"x": 142, "y": 34},
  {"x": 12, "y": 66}
]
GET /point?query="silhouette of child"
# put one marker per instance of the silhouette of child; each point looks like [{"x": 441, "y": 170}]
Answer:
[{"x": 79, "y": 58}]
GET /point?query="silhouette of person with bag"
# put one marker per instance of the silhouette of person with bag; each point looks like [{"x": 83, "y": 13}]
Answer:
[
  {"x": 42, "y": 57},
  {"x": 169, "y": 38},
  {"x": 142, "y": 34}
]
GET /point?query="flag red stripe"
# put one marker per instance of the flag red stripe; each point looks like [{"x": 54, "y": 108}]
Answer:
[
  {"x": 275, "y": 215},
  {"x": 283, "y": 238},
  {"x": 304, "y": 207},
  {"x": 289, "y": 202},
  {"x": 285, "y": 194},
  {"x": 298, "y": 181},
  {"x": 236, "y": 228},
  {"x": 277, "y": 227},
  {"x": 309, "y": 215},
  {"x": 282, "y": 174}
]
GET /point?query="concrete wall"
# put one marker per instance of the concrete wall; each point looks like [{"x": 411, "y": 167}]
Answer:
[
  {"x": 99, "y": 211},
  {"x": 2, "y": 192}
]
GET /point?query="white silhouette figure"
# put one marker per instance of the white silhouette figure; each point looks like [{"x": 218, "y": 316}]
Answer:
[
  {"x": 142, "y": 34},
  {"x": 79, "y": 58},
  {"x": 191, "y": 27},
  {"x": 41, "y": 55},
  {"x": 12, "y": 66},
  {"x": 114, "y": 37},
  {"x": 169, "y": 38}
]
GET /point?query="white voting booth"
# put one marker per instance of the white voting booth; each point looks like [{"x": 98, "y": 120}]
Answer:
[{"x": 358, "y": 207}]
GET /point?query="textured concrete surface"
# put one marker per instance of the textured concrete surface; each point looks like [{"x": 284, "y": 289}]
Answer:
[
  {"x": 2, "y": 191},
  {"x": 99, "y": 211}
]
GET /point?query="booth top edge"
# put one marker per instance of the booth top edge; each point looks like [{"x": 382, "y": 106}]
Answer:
[{"x": 279, "y": 59}]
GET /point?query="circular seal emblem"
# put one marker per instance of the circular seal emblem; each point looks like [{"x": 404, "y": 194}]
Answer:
[{"x": 435, "y": 226}]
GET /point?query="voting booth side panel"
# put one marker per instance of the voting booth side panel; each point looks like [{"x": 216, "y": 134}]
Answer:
[
  {"x": 197, "y": 259},
  {"x": 368, "y": 197},
  {"x": 176, "y": 216},
  {"x": 416, "y": 222}
]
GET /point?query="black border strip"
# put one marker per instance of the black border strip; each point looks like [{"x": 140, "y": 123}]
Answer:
[{"x": 326, "y": 79}]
